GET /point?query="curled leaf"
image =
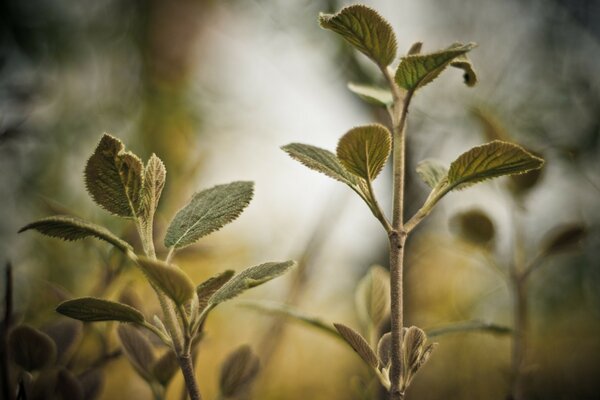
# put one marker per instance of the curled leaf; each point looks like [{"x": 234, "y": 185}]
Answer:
[
  {"x": 155, "y": 175},
  {"x": 238, "y": 372}
]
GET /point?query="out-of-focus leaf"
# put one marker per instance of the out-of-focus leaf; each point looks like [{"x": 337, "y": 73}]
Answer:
[
  {"x": 563, "y": 238},
  {"x": 474, "y": 226},
  {"x": 73, "y": 228},
  {"x": 364, "y": 29},
  {"x": 373, "y": 296},
  {"x": 431, "y": 172},
  {"x": 372, "y": 94},
  {"x": 415, "y": 48},
  {"x": 493, "y": 129},
  {"x": 169, "y": 278},
  {"x": 320, "y": 160},
  {"x": 489, "y": 161},
  {"x": 91, "y": 309},
  {"x": 207, "y": 212},
  {"x": 249, "y": 278},
  {"x": 469, "y": 326},
  {"x": 165, "y": 367},
  {"x": 113, "y": 177},
  {"x": 66, "y": 334},
  {"x": 91, "y": 382},
  {"x": 238, "y": 371},
  {"x": 57, "y": 384},
  {"x": 206, "y": 289},
  {"x": 384, "y": 350},
  {"x": 31, "y": 349},
  {"x": 416, "y": 71},
  {"x": 131, "y": 298},
  {"x": 138, "y": 350},
  {"x": 364, "y": 150},
  {"x": 359, "y": 344},
  {"x": 155, "y": 175}
]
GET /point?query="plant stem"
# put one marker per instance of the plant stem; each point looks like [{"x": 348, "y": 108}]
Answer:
[
  {"x": 4, "y": 328},
  {"x": 521, "y": 316},
  {"x": 187, "y": 367}
]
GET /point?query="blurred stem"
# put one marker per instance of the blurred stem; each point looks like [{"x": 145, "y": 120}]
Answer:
[
  {"x": 6, "y": 322},
  {"x": 187, "y": 367}
]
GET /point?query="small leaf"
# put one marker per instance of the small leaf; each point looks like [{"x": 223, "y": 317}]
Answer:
[
  {"x": 469, "y": 75},
  {"x": 384, "y": 350},
  {"x": 113, "y": 177},
  {"x": 416, "y": 71},
  {"x": 155, "y": 175},
  {"x": 207, "y": 212},
  {"x": 414, "y": 340},
  {"x": 359, "y": 344},
  {"x": 489, "y": 161},
  {"x": 91, "y": 309},
  {"x": 474, "y": 226},
  {"x": 372, "y": 94},
  {"x": 319, "y": 160},
  {"x": 169, "y": 278},
  {"x": 91, "y": 381},
  {"x": 431, "y": 172},
  {"x": 364, "y": 29},
  {"x": 73, "y": 228},
  {"x": 165, "y": 367},
  {"x": 138, "y": 350},
  {"x": 415, "y": 48},
  {"x": 238, "y": 371},
  {"x": 373, "y": 296},
  {"x": 249, "y": 278},
  {"x": 364, "y": 150},
  {"x": 66, "y": 334},
  {"x": 563, "y": 238},
  {"x": 31, "y": 349},
  {"x": 206, "y": 289}
]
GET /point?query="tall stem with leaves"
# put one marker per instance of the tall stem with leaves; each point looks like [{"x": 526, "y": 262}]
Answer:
[{"x": 362, "y": 153}]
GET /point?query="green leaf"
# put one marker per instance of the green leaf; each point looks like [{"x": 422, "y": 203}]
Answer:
[
  {"x": 364, "y": 29},
  {"x": 207, "y": 212},
  {"x": 474, "y": 226},
  {"x": 165, "y": 367},
  {"x": 73, "y": 228},
  {"x": 416, "y": 71},
  {"x": 372, "y": 94},
  {"x": 364, "y": 150},
  {"x": 113, "y": 177},
  {"x": 249, "y": 278},
  {"x": 31, "y": 349},
  {"x": 155, "y": 175},
  {"x": 415, "y": 48},
  {"x": 373, "y": 296},
  {"x": 139, "y": 351},
  {"x": 319, "y": 160},
  {"x": 359, "y": 344},
  {"x": 563, "y": 238},
  {"x": 431, "y": 172},
  {"x": 238, "y": 372},
  {"x": 206, "y": 289},
  {"x": 91, "y": 309},
  {"x": 489, "y": 161},
  {"x": 169, "y": 278}
]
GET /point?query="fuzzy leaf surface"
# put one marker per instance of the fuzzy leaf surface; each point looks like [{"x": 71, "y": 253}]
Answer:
[
  {"x": 238, "y": 371},
  {"x": 169, "y": 278},
  {"x": 249, "y": 278},
  {"x": 373, "y": 296},
  {"x": 138, "y": 350},
  {"x": 155, "y": 175},
  {"x": 91, "y": 309},
  {"x": 113, "y": 177},
  {"x": 372, "y": 94},
  {"x": 417, "y": 70},
  {"x": 359, "y": 344},
  {"x": 206, "y": 289},
  {"x": 207, "y": 212},
  {"x": 431, "y": 172},
  {"x": 73, "y": 228},
  {"x": 489, "y": 161},
  {"x": 384, "y": 350},
  {"x": 364, "y": 150},
  {"x": 365, "y": 30},
  {"x": 31, "y": 349},
  {"x": 320, "y": 160}
]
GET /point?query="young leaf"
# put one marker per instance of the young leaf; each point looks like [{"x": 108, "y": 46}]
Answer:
[
  {"x": 431, "y": 172},
  {"x": 384, "y": 350},
  {"x": 238, "y": 371},
  {"x": 138, "y": 350},
  {"x": 416, "y": 71},
  {"x": 91, "y": 381},
  {"x": 474, "y": 226},
  {"x": 249, "y": 278},
  {"x": 469, "y": 326},
  {"x": 66, "y": 334},
  {"x": 490, "y": 161},
  {"x": 208, "y": 211},
  {"x": 373, "y": 296},
  {"x": 364, "y": 150},
  {"x": 91, "y": 309},
  {"x": 415, "y": 48},
  {"x": 155, "y": 175},
  {"x": 113, "y": 177},
  {"x": 563, "y": 238},
  {"x": 165, "y": 367},
  {"x": 372, "y": 94},
  {"x": 73, "y": 228},
  {"x": 169, "y": 278},
  {"x": 364, "y": 29},
  {"x": 31, "y": 349},
  {"x": 206, "y": 289},
  {"x": 359, "y": 344},
  {"x": 319, "y": 160}
]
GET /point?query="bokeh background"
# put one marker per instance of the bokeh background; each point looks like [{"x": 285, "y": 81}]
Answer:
[{"x": 216, "y": 87}]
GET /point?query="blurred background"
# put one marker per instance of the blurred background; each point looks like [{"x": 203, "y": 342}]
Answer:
[{"x": 214, "y": 88}]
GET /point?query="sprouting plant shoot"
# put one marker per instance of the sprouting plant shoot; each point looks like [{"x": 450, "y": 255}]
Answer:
[
  {"x": 362, "y": 153},
  {"x": 121, "y": 184}
]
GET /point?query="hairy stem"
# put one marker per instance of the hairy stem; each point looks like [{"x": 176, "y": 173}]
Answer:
[{"x": 187, "y": 367}]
